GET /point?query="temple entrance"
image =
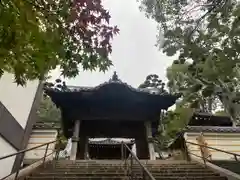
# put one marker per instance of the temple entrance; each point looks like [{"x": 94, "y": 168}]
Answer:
[
  {"x": 107, "y": 149},
  {"x": 106, "y": 128},
  {"x": 112, "y": 109},
  {"x": 104, "y": 152}
]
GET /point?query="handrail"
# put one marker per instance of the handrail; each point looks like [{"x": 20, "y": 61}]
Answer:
[
  {"x": 145, "y": 170},
  {"x": 26, "y": 150},
  {"x": 216, "y": 149}
]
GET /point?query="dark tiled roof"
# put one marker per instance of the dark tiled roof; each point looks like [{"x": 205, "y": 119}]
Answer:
[
  {"x": 87, "y": 88},
  {"x": 113, "y": 80},
  {"x": 213, "y": 129},
  {"x": 109, "y": 141},
  {"x": 207, "y": 119}
]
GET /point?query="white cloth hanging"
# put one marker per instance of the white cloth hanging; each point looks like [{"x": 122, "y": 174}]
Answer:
[{"x": 66, "y": 152}]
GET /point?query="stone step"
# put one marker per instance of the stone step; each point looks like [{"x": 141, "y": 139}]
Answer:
[
  {"x": 161, "y": 166},
  {"x": 106, "y": 170},
  {"x": 156, "y": 168},
  {"x": 120, "y": 161},
  {"x": 119, "y": 166},
  {"x": 124, "y": 166},
  {"x": 159, "y": 161},
  {"x": 93, "y": 161},
  {"x": 186, "y": 171},
  {"x": 191, "y": 178},
  {"x": 123, "y": 162},
  {"x": 136, "y": 169},
  {"x": 116, "y": 172},
  {"x": 75, "y": 178},
  {"x": 115, "y": 165},
  {"x": 90, "y": 167},
  {"x": 181, "y": 171},
  {"x": 185, "y": 178},
  {"x": 83, "y": 170},
  {"x": 121, "y": 170},
  {"x": 121, "y": 174},
  {"x": 83, "y": 164},
  {"x": 72, "y": 166},
  {"x": 82, "y": 174},
  {"x": 124, "y": 178}
]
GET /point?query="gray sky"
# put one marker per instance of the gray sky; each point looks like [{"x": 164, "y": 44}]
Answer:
[{"x": 134, "y": 55}]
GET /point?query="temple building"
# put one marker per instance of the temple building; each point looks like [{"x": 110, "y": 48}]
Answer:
[
  {"x": 112, "y": 109},
  {"x": 213, "y": 131},
  {"x": 217, "y": 132}
]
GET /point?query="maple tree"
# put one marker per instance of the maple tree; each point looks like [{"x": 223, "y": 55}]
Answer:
[{"x": 36, "y": 36}]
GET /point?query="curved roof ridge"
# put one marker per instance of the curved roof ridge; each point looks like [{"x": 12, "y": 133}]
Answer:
[
  {"x": 62, "y": 87},
  {"x": 72, "y": 88}
]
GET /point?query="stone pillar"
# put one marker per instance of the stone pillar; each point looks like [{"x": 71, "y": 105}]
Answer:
[
  {"x": 75, "y": 140},
  {"x": 150, "y": 140}
]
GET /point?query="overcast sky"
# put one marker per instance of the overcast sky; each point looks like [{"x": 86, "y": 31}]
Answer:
[{"x": 134, "y": 55}]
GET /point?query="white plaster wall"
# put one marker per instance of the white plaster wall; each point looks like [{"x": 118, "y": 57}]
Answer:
[
  {"x": 6, "y": 164},
  {"x": 37, "y": 138},
  {"x": 225, "y": 141},
  {"x": 17, "y": 99}
]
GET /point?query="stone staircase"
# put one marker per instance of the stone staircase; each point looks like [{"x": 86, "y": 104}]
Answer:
[
  {"x": 115, "y": 170},
  {"x": 80, "y": 169},
  {"x": 180, "y": 170}
]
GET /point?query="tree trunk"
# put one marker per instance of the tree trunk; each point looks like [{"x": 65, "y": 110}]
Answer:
[
  {"x": 228, "y": 108},
  {"x": 210, "y": 103}
]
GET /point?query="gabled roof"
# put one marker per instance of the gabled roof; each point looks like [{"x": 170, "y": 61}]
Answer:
[
  {"x": 207, "y": 119},
  {"x": 206, "y": 122}
]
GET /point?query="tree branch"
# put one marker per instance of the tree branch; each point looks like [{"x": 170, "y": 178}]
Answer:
[{"x": 204, "y": 16}]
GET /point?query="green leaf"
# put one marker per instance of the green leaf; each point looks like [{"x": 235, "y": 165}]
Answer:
[{"x": 171, "y": 51}]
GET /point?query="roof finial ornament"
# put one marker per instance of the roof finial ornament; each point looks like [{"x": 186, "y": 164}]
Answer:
[{"x": 115, "y": 77}]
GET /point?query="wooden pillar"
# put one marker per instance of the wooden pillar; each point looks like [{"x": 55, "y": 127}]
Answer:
[
  {"x": 150, "y": 140},
  {"x": 86, "y": 153},
  {"x": 75, "y": 140},
  {"x": 82, "y": 146},
  {"x": 138, "y": 148}
]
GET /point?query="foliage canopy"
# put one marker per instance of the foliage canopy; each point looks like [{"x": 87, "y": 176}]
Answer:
[
  {"x": 48, "y": 112},
  {"x": 36, "y": 36},
  {"x": 153, "y": 81},
  {"x": 206, "y": 35}
]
